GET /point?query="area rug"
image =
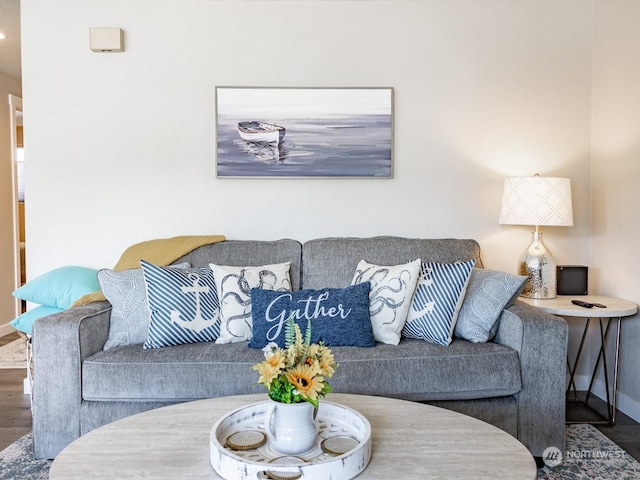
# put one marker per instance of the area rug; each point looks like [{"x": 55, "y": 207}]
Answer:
[
  {"x": 18, "y": 463},
  {"x": 14, "y": 354},
  {"x": 589, "y": 455}
]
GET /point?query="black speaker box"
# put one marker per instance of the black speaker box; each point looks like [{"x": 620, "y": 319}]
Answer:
[{"x": 572, "y": 279}]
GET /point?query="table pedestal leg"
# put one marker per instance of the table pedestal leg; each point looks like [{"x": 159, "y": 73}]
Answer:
[{"x": 611, "y": 391}]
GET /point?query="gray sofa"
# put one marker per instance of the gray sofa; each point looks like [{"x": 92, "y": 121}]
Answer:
[{"x": 516, "y": 381}]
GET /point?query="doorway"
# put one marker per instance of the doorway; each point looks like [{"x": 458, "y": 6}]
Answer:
[{"x": 17, "y": 182}]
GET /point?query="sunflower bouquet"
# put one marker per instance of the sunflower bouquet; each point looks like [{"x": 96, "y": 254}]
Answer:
[{"x": 296, "y": 373}]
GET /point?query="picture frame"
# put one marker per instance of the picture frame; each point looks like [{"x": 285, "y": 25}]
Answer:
[{"x": 267, "y": 132}]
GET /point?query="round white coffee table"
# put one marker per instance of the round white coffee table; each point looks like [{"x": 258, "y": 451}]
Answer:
[{"x": 409, "y": 440}]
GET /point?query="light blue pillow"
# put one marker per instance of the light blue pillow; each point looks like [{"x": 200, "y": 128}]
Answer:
[
  {"x": 183, "y": 303},
  {"x": 24, "y": 322},
  {"x": 437, "y": 301},
  {"x": 339, "y": 316},
  {"x": 60, "y": 287},
  {"x": 488, "y": 293}
]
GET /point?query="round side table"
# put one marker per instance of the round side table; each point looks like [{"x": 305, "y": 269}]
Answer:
[{"x": 614, "y": 311}]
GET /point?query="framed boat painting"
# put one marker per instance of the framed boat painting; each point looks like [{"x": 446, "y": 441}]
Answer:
[{"x": 304, "y": 132}]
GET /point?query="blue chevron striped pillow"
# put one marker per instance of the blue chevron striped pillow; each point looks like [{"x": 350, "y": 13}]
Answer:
[
  {"x": 437, "y": 301},
  {"x": 184, "y": 305}
]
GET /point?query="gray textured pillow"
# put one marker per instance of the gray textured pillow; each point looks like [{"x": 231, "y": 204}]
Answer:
[
  {"x": 130, "y": 315},
  {"x": 488, "y": 293}
]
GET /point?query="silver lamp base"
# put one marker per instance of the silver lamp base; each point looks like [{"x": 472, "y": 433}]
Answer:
[{"x": 539, "y": 266}]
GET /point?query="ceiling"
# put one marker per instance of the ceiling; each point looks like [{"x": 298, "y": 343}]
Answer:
[{"x": 10, "y": 63}]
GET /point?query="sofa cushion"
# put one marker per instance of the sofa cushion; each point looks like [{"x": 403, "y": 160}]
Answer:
[
  {"x": 418, "y": 370},
  {"x": 464, "y": 370},
  {"x": 339, "y": 316},
  {"x": 244, "y": 253},
  {"x": 183, "y": 303},
  {"x": 127, "y": 293},
  {"x": 488, "y": 293},
  {"x": 234, "y": 286},
  {"x": 437, "y": 301},
  {"x": 390, "y": 297},
  {"x": 330, "y": 262}
]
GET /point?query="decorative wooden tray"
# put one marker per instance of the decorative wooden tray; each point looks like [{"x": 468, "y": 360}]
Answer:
[{"x": 340, "y": 428}]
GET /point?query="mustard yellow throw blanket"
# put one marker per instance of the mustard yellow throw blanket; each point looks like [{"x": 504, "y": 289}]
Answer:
[{"x": 162, "y": 252}]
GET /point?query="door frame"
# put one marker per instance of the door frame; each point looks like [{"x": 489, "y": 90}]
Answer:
[{"x": 15, "y": 106}]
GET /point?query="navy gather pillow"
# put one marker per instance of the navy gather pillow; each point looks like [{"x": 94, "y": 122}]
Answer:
[{"x": 339, "y": 316}]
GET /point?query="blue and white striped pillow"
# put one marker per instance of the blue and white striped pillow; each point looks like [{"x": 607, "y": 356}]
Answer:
[
  {"x": 184, "y": 305},
  {"x": 437, "y": 301}
]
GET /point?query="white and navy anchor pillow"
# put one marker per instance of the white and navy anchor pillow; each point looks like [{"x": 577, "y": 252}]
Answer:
[
  {"x": 339, "y": 316},
  {"x": 390, "y": 296},
  {"x": 183, "y": 303},
  {"x": 234, "y": 286},
  {"x": 437, "y": 301}
]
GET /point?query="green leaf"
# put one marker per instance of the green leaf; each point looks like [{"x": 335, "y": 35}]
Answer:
[
  {"x": 289, "y": 332},
  {"x": 326, "y": 389},
  {"x": 307, "y": 337}
]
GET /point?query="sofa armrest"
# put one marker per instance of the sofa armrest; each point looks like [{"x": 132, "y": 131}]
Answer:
[
  {"x": 60, "y": 343},
  {"x": 541, "y": 341}
]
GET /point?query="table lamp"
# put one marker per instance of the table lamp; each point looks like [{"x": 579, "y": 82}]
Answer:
[{"x": 537, "y": 201}]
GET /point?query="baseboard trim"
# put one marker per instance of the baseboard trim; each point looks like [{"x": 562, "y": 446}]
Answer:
[
  {"x": 627, "y": 405},
  {"x": 6, "y": 329}
]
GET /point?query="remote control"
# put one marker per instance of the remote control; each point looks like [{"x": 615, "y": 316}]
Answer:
[
  {"x": 580, "y": 303},
  {"x": 587, "y": 304}
]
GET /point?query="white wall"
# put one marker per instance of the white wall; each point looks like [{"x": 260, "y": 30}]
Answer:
[
  {"x": 121, "y": 146},
  {"x": 616, "y": 174},
  {"x": 8, "y": 86}
]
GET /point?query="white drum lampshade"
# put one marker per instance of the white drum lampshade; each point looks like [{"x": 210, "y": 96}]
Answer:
[{"x": 537, "y": 201}]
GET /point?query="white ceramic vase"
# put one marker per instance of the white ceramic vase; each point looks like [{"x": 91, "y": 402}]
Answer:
[{"x": 291, "y": 427}]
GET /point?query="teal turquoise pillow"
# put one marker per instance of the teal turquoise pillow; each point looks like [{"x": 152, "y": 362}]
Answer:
[
  {"x": 24, "y": 322},
  {"x": 339, "y": 316},
  {"x": 437, "y": 301},
  {"x": 488, "y": 293},
  {"x": 60, "y": 287},
  {"x": 183, "y": 303}
]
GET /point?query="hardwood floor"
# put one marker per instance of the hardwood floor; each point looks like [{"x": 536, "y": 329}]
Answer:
[
  {"x": 15, "y": 407},
  {"x": 625, "y": 433},
  {"x": 15, "y": 413}
]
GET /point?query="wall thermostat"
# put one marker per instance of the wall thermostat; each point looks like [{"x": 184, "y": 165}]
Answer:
[{"x": 106, "y": 39}]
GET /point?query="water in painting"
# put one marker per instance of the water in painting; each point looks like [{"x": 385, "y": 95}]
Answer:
[{"x": 316, "y": 144}]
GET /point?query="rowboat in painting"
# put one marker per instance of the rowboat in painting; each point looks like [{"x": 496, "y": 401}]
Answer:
[{"x": 261, "y": 132}]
